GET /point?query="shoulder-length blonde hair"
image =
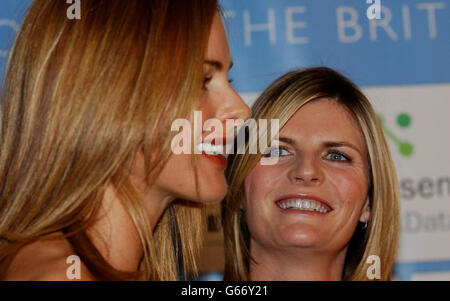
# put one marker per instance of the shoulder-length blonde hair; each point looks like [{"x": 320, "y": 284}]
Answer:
[
  {"x": 80, "y": 98},
  {"x": 280, "y": 101}
]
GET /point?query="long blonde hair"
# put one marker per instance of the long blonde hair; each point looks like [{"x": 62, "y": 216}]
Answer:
[
  {"x": 80, "y": 98},
  {"x": 280, "y": 101}
]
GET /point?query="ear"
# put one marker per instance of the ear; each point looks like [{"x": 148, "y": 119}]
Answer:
[{"x": 365, "y": 212}]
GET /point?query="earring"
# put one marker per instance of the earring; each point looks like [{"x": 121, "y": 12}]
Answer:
[{"x": 364, "y": 225}]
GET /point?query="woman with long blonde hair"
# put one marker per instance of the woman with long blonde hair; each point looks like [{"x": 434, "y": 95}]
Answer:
[
  {"x": 325, "y": 203},
  {"x": 86, "y": 166}
]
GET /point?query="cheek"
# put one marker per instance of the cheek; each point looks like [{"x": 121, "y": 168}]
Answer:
[
  {"x": 259, "y": 184},
  {"x": 177, "y": 173},
  {"x": 207, "y": 108},
  {"x": 261, "y": 181},
  {"x": 350, "y": 188}
]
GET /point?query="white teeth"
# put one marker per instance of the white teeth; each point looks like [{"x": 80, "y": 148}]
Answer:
[
  {"x": 220, "y": 149},
  {"x": 306, "y": 204},
  {"x": 302, "y": 204},
  {"x": 211, "y": 149}
]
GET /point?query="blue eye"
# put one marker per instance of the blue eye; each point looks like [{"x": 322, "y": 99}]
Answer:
[
  {"x": 275, "y": 152},
  {"x": 337, "y": 156}
]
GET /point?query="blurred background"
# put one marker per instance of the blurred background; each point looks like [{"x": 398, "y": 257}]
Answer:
[{"x": 398, "y": 51}]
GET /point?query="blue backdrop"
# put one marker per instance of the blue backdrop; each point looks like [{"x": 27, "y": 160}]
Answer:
[{"x": 410, "y": 45}]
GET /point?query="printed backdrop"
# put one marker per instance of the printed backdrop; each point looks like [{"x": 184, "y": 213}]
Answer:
[{"x": 401, "y": 60}]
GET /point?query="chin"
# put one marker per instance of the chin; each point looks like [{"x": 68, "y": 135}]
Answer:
[
  {"x": 213, "y": 197},
  {"x": 211, "y": 193},
  {"x": 301, "y": 236}
]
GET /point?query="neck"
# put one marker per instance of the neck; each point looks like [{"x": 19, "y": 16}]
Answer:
[
  {"x": 114, "y": 233},
  {"x": 295, "y": 265}
]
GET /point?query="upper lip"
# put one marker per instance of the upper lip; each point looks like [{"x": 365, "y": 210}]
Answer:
[
  {"x": 221, "y": 140},
  {"x": 305, "y": 196}
]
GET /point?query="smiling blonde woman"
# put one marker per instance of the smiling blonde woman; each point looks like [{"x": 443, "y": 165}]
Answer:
[{"x": 331, "y": 199}]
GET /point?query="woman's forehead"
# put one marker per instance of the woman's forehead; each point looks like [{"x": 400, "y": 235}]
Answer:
[{"x": 324, "y": 119}]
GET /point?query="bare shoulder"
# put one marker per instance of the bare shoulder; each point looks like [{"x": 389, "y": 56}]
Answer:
[{"x": 47, "y": 260}]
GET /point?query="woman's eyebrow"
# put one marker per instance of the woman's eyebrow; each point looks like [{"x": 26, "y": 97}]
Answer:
[
  {"x": 286, "y": 140},
  {"x": 325, "y": 144},
  {"x": 341, "y": 144},
  {"x": 217, "y": 65}
]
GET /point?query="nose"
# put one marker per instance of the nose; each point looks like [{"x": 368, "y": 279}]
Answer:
[
  {"x": 235, "y": 107},
  {"x": 306, "y": 171}
]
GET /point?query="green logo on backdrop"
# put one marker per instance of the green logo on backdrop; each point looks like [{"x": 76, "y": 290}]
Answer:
[{"x": 405, "y": 148}]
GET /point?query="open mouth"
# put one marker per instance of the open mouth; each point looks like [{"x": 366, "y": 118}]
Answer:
[
  {"x": 215, "y": 151},
  {"x": 218, "y": 146},
  {"x": 212, "y": 149},
  {"x": 304, "y": 204}
]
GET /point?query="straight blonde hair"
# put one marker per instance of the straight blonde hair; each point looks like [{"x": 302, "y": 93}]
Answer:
[
  {"x": 79, "y": 99},
  {"x": 280, "y": 101}
]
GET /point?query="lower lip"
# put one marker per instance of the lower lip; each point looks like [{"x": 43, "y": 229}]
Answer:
[{"x": 218, "y": 160}]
